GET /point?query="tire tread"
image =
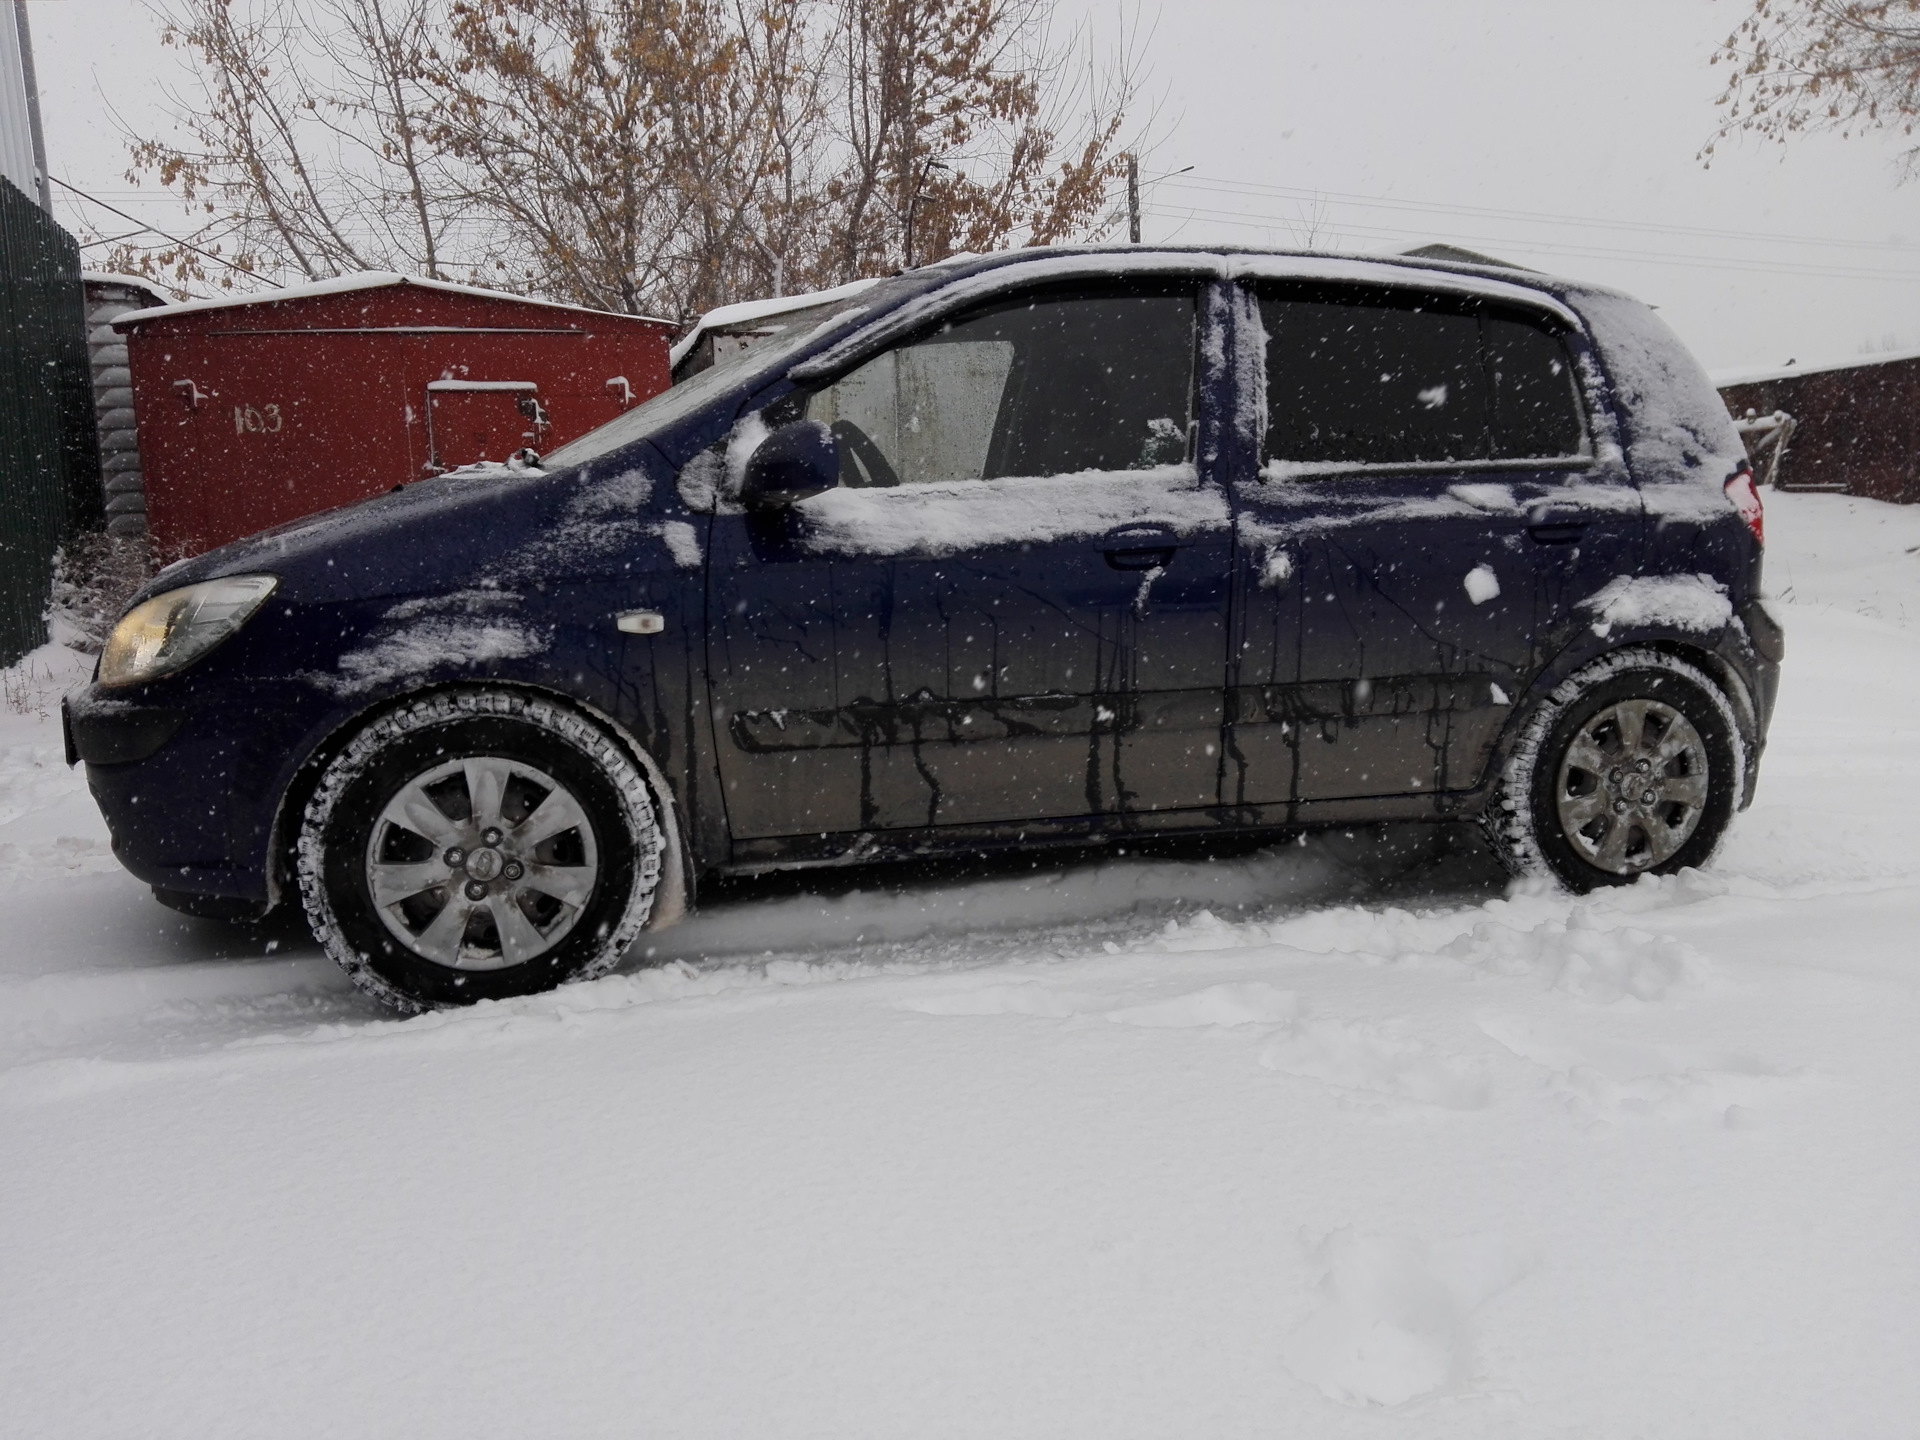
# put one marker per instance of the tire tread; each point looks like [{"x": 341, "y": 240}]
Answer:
[
  {"x": 1508, "y": 819},
  {"x": 445, "y": 708}
]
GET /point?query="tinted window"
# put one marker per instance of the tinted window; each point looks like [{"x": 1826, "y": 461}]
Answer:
[
  {"x": 1536, "y": 410},
  {"x": 1400, "y": 380},
  {"x": 1036, "y": 386},
  {"x": 1372, "y": 384}
]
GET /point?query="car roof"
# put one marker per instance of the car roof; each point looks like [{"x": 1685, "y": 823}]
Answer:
[
  {"x": 1263, "y": 260},
  {"x": 954, "y": 282}
]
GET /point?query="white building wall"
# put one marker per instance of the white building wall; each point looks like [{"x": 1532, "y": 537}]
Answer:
[{"x": 16, "y": 133}]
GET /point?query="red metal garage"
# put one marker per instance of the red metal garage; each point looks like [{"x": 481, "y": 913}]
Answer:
[
  {"x": 260, "y": 410},
  {"x": 1856, "y": 423}
]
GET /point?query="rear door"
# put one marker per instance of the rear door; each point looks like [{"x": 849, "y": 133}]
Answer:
[
  {"x": 1014, "y": 607},
  {"x": 1426, "y": 501}
]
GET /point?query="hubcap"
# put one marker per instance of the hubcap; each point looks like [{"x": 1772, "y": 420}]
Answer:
[
  {"x": 1632, "y": 786},
  {"x": 482, "y": 863}
]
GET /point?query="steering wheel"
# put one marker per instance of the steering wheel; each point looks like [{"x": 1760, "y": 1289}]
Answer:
[{"x": 855, "y": 441}]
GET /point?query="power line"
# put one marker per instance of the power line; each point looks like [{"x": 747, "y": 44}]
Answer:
[
  {"x": 1560, "y": 249},
  {"x": 1834, "y": 267},
  {"x": 1568, "y": 248},
  {"x": 1223, "y": 184},
  {"x": 111, "y": 239},
  {"x": 155, "y": 230}
]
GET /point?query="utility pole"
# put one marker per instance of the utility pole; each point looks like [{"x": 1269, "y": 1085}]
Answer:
[
  {"x": 913, "y": 202},
  {"x": 1133, "y": 198},
  {"x": 38, "y": 136},
  {"x": 779, "y": 260}
]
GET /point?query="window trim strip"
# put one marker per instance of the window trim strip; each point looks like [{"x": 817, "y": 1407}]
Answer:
[{"x": 1284, "y": 471}]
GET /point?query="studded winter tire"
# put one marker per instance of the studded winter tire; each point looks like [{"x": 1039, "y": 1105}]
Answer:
[
  {"x": 1631, "y": 767},
  {"x": 478, "y": 845}
]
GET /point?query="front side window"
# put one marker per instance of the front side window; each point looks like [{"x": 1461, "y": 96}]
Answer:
[
  {"x": 1399, "y": 379},
  {"x": 1037, "y": 385}
]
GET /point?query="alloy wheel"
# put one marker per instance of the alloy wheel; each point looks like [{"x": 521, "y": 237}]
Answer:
[
  {"x": 1632, "y": 786},
  {"x": 481, "y": 863}
]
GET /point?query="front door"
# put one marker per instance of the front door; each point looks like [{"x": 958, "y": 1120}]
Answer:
[
  {"x": 1427, "y": 507},
  {"x": 1012, "y": 609}
]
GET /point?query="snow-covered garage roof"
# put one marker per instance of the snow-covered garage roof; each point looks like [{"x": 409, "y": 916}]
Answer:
[
  {"x": 756, "y": 313},
  {"x": 347, "y": 284},
  {"x": 1754, "y": 375}
]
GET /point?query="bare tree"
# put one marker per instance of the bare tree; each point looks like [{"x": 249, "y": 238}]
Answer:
[
  {"x": 308, "y": 139},
  {"x": 672, "y": 154},
  {"x": 1312, "y": 227},
  {"x": 761, "y": 204},
  {"x": 623, "y": 147},
  {"x": 1846, "y": 66},
  {"x": 953, "y": 124},
  {"x": 657, "y": 156}
]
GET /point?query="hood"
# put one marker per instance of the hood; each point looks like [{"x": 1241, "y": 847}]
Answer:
[{"x": 458, "y": 531}]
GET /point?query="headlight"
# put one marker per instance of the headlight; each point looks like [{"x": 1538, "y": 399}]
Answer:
[{"x": 171, "y": 631}]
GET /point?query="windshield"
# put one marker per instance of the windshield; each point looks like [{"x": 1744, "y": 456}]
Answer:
[{"x": 679, "y": 401}]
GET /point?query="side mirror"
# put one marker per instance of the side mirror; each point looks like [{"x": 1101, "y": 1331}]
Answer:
[{"x": 792, "y": 463}]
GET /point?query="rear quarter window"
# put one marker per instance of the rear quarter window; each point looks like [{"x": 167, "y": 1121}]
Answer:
[{"x": 1536, "y": 409}]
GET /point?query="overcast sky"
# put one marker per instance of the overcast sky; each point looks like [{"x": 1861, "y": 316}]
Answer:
[{"x": 1559, "y": 134}]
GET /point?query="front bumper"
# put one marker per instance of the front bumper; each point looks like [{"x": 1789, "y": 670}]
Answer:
[
  {"x": 115, "y": 732},
  {"x": 189, "y": 790}
]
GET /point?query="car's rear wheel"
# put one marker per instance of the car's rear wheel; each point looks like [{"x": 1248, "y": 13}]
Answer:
[
  {"x": 478, "y": 845},
  {"x": 1631, "y": 767}
]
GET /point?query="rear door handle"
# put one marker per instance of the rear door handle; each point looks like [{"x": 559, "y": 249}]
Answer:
[{"x": 1556, "y": 525}]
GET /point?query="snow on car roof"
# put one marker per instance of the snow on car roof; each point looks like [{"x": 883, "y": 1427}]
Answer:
[
  {"x": 1398, "y": 270},
  {"x": 1071, "y": 263},
  {"x": 347, "y": 284}
]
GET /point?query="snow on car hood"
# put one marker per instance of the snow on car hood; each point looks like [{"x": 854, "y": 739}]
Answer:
[{"x": 454, "y": 531}]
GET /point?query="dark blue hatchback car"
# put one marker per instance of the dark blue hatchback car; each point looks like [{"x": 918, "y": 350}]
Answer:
[{"x": 1053, "y": 546}]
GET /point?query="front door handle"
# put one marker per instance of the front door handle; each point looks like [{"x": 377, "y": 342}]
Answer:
[
  {"x": 1141, "y": 547},
  {"x": 1140, "y": 559}
]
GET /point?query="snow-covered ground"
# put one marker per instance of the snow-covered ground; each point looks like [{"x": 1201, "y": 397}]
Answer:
[{"x": 1295, "y": 1143}]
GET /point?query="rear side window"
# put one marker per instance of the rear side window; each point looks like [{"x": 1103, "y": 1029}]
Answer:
[
  {"x": 1401, "y": 379},
  {"x": 1040, "y": 385}
]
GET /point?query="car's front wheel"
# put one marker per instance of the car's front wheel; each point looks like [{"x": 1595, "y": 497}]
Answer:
[
  {"x": 478, "y": 845},
  {"x": 1632, "y": 766}
]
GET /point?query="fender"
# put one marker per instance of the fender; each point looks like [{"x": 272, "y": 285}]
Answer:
[
  {"x": 676, "y": 895},
  {"x": 1727, "y": 654}
]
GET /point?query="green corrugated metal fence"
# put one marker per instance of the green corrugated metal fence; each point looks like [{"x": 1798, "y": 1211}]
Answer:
[{"x": 49, "y": 464}]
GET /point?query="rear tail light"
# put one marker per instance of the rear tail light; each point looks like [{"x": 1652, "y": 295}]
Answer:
[{"x": 1746, "y": 499}]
